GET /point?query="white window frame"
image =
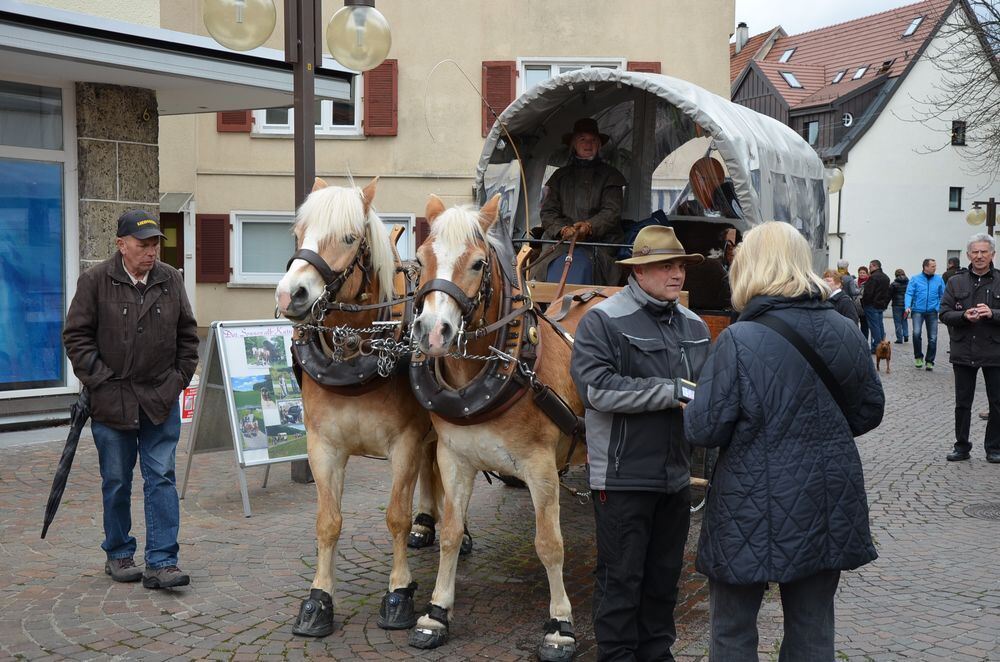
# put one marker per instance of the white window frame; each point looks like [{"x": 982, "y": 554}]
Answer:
[
  {"x": 839, "y": 76},
  {"x": 67, "y": 156},
  {"x": 555, "y": 63},
  {"x": 791, "y": 80},
  {"x": 786, "y": 56},
  {"x": 326, "y": 127},
  {"x": 913, "y": 26},
  {"x": 860, "y": 72},
  {"x": 406, "y": 248},
  {"x": 237, "y": 218}
]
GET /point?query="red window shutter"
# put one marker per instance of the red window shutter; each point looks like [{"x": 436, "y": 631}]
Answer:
[
  {"x": 644, "y": 67},
  {"x": 499, "y": 89},
  {"x": 382, "y": 99},
  {"x": 422, "y": 230},
  {"x": 212, "y": 248},
  {"x": 234, "y": 121}
]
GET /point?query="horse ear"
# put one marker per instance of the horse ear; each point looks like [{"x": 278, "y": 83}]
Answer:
[
  {"x": 435, "y": 207},
  {"x": 488, "y": 214},
  {"x": 368, "y": 193},
  {"x": 318, "y": 184}
]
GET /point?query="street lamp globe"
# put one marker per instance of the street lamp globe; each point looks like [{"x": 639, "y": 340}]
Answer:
[
  {"x": 241, "y": 25},
  {"x": 835, "y": 180},
  {"x": 976, "y": 216},
  {"x": 358, "y": 35}
]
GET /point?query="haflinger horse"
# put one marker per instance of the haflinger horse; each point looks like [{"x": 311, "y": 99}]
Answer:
[
  {"x": 343, "y": 276},
  {"x": 464, "y": 303}
]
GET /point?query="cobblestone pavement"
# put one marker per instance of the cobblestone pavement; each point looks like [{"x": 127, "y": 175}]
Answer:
[{"x": 933, "y": 594}]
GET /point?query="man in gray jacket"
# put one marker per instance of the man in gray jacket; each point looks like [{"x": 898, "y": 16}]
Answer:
[{"x": 630, "y": 354}]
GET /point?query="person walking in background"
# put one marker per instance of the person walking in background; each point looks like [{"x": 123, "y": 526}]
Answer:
[
  {"x": 631, "y": 350},
  {"x": 133, "y": 341},
  {"x": 862, "y": 320},
  {"x": 923, "y": 299},
  {"x": 874, "y": 301},
  {"x": 841, "y": 302},
  {"x": 971, "y": 309},
  {"x": 954, "y": 266},
  {"x": 897, "y": 293},
  {"x": 787, "y": 501}
]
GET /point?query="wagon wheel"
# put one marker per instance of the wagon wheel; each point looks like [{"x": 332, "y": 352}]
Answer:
[{"x": 702, "y": 466}]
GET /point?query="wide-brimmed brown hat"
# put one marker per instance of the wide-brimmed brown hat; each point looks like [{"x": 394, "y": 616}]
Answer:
[
  {"x": 585, "y": 125},
  {"x": 656, "y": 243}
]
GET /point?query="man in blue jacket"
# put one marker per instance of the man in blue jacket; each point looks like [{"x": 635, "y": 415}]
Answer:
[
  {"x": 629, "y": 353},
  {"x": 923, "y": 299}
]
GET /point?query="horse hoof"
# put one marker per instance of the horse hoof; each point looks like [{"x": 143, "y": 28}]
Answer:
[
  {"x": 558, "y": 651},
  {"x": 427, "y": 638},
  {"x": 396, "y": 612},
  {"x": 315, "y": 615},
  {"x": 421, "y": 539},
  {"x": 466, "y": 547}
]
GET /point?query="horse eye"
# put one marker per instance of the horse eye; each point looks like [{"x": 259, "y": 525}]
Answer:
[
  {"x": 350, "y": 239},
  {"x": 478, "y": 265}
]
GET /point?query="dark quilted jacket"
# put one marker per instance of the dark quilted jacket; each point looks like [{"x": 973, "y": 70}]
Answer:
[{"x": 787, "y": 498}]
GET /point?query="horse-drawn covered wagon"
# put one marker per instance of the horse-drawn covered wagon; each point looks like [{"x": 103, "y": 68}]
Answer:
[{"x": 453, "y": 365}]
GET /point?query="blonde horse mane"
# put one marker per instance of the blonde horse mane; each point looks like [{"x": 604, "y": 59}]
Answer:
[
  {"x": 335, "y": 213},
  {"x": 459, "y": 226}
]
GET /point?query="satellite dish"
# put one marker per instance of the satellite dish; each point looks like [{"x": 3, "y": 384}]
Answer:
[{"x": 847, "y": 119}]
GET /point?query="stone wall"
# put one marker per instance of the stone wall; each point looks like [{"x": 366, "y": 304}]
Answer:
[{"x": 117, "y": 133}]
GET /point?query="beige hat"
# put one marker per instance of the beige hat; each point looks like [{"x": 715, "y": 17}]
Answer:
[{"x": 656, "y": 243}]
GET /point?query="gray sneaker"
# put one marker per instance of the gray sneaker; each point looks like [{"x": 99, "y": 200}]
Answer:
[
  {"x": 123, "y": 570},
  {"x": 167, "y": 577}
]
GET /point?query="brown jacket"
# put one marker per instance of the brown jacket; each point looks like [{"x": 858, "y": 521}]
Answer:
[
  {"x": 589, "y": 192},
  {"x": 131, "y": 350}
]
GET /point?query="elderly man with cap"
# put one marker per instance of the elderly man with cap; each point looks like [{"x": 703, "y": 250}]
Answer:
[
  {"x": 583, "y": 199},
  {"x": 634, "y": 359},
  {"x": 132, "y": 339}
]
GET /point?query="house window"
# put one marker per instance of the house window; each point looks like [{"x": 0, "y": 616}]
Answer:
[
  {"x": 810, "y": 131},
  {"x": 860, "y": 72},
  {"x": 839, "y": 76},
  {"x": 913, "y": 26},
  {"x": 958, "y": 133},
  {"x": 790, "y": 79},
  {"x": 334, "y": 117},
  {"x": 955, "y": 198},
  {"x": 264, "y": 241},
  {"x": 786, "y": 56},
  {"x": 38, "y": 176},
  {"x": 532, "y": 71}
]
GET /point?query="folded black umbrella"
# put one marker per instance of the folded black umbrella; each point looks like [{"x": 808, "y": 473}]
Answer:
[{"x": 79, "y": 413}]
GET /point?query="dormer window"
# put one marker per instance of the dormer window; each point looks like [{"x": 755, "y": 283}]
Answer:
[
  {"x": 839, "y": 76},
  {"x": 860, "y": 72},
  {"x": 786, "y": 56},
  {"x": 790, "y": 79},
  {"x": 913, "y": 26}
]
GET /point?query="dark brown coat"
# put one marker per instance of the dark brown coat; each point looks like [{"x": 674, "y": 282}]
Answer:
[{"x": 131, "y": 350}]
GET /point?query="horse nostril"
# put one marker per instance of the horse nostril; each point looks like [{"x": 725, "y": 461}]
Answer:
[
  {"x": 300, "y": 295},
  {"x": 418, "y": 328},
  {"x": 445, "y": 330}
]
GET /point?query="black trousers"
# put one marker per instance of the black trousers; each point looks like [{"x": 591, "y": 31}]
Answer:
[
  {"x": 965, "y": 391},
  {"x": 640, "y": 552}
]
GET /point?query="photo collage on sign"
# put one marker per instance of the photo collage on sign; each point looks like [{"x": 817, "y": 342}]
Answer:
[{"x": 269, "y": 413}]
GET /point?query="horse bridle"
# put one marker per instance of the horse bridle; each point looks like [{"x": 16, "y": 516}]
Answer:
[
  {"x": 334, "y": 280},
  {"x": 466, "y": 305}
]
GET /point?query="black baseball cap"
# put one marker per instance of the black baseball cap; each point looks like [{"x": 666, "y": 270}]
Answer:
[{"x": 139, "y": 224}]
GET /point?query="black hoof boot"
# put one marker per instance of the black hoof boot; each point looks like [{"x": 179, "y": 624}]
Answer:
[
  {"x": 466, "y": 547},
  {"x": 427, "y": 638},
  {"x": 419, "y": 539},
  {"x": 396, "y": 612},
  {"x": 558, "y": 652},
  {"x": 315, "y": 615}
]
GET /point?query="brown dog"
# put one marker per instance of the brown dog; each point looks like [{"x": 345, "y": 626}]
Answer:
[{"x": 883, "y": 351}]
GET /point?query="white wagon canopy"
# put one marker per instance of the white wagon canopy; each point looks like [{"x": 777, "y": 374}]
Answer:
[{"x": 650, "y": 117}]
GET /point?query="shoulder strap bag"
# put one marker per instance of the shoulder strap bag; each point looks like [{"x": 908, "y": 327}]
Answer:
[{"x": 809, "y": 354}]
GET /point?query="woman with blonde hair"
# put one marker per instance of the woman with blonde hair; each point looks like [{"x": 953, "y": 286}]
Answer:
[{"x": 783, "y": 394}]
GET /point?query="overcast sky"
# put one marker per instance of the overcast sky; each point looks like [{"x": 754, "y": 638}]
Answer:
[{"x": 796, "y": 17}]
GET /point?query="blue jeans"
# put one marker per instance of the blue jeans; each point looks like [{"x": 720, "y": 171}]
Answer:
[
  {"x": 807, "y": 604},
  {"x": 581, "y": 270},
  {"x": 902, "y": 326},
  {"x": 876, "y": 327},
  {"x": 919, "y": 320},
  {"x": 156, "y": 446}
]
